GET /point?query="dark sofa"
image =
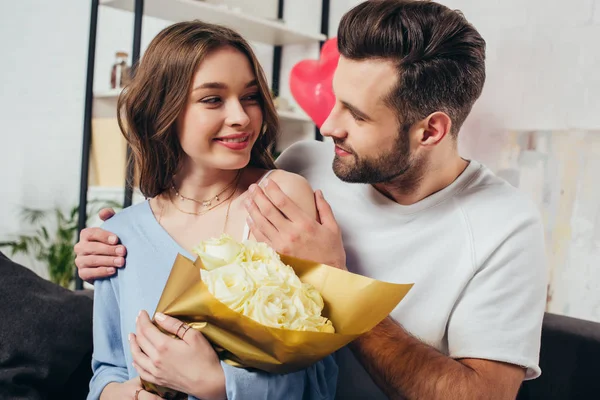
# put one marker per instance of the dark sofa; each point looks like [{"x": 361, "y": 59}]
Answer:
[
  {"x": 45, "y": 337},
  {"x": 570, "y": 361}
]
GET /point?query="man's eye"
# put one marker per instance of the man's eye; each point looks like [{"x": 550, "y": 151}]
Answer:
[{"x": 356, "y": 117}]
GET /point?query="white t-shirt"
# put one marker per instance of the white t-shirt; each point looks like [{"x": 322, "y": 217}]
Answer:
[{"x": 474, "y": 251}]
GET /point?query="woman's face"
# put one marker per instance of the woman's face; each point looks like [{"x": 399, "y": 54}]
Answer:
[{"x": 223, "y": 116}]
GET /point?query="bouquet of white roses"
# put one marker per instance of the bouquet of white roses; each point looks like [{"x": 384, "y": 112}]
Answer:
[
  {"x": 251, "y": 279},
  {"x": 263, "y": 310}
]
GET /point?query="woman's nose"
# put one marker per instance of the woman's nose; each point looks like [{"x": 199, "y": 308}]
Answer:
[{"x": 236, "y": 115}]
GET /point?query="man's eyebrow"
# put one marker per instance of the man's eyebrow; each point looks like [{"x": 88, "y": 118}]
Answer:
[
  {"x": 221, "y": 85},
  {"x": 356, "y": 111}
]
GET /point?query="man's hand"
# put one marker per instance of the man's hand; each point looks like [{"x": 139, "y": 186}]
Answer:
[
  {"x": 189, "y": 365},
  {"x": 132, "y": 389},
  {"x": 98, "y": 252},
  {"x": 276, "y": 220}
]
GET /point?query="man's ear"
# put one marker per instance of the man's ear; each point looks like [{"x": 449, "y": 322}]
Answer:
[{"x": 434, "y": 128}]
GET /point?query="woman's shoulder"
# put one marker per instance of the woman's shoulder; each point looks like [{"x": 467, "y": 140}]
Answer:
[
  {"x": 289, "y": 182},
  {"x": 295, "y": 186},
  {"x": 128, "y": 218}
]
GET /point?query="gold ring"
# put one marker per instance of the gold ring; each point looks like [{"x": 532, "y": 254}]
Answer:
[
  {"x": 187, "y": 328},
  {"x": 180, "y": 326},
  {"x": 137, "y": 393}
]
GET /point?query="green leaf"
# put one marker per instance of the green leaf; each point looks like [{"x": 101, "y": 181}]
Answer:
[
  {"x": 32, "y": 215},
  {"x": 45, "y": 233}
]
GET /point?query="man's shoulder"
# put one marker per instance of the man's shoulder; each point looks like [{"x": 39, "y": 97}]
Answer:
[
  {"x": 489, "y": 198},
  {"x": 305, "y": 154}
]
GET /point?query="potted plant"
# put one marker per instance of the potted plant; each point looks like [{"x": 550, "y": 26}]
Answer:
[{"x": 53, "y": 240}]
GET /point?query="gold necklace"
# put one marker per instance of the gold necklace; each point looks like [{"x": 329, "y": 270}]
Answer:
[
  {"x": 227, "y": 213},
  {"x": 202, "y": 212},
  {"x": 207, "y": 202}
]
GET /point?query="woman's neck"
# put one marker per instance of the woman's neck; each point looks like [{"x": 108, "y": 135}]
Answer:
[{"x": 203, "y": 184}]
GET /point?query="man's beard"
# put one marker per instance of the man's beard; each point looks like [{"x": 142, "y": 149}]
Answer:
[{"x": 395, "y": 166}]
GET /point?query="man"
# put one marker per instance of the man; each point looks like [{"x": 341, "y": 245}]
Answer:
[{"x": 408, "y": 208}]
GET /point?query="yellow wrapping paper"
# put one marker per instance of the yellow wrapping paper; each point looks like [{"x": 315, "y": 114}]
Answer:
[{"x": 354, "y": 304}]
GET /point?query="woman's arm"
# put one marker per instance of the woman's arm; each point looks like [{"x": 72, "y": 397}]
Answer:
[
  {"x": 317, "y": 382},
  {"x": 108, "y": 359}
]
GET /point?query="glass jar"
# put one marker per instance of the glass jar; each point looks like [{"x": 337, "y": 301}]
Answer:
[{"x": 119, "y": 76}]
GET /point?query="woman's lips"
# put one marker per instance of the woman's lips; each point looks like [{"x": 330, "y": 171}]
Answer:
[{"x": 234, "y": 142}]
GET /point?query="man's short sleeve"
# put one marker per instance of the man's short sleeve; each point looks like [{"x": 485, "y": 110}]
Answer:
[{"x": 499, "y": 314}]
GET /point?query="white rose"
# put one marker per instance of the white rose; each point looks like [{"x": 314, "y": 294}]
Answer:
[
  {"x": 216, "y": 253},
  {"x": 231, "y": 285},
  {"x": 259, "y": 251},
  {"x": 273, "y": 273},
  {"x": 268, "y": 306},
  {"x": 304, "y": 313},
  {"x": 312, "y": 324}
]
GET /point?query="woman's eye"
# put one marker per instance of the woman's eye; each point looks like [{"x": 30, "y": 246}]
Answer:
[
  {"x": 252, "y": 97},
  {"x": 211, "y": 100}
]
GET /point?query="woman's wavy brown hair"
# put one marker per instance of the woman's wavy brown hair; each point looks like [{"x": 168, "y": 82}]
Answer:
[{"x": 149, "y": 106}]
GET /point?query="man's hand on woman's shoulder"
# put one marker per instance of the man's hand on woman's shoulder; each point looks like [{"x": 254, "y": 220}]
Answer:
[{"x": 98, "y": 252}]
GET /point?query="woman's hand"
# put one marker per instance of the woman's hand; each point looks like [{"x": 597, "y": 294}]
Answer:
[
  {"x": 132, "y": 389},
  {"x": 189, "y": 365}
]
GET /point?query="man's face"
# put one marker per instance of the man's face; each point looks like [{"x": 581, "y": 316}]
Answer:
[{"x": 370, "y": 144}]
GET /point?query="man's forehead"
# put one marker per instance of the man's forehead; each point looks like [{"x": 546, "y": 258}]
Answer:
[{"x": 367, "y": 79}]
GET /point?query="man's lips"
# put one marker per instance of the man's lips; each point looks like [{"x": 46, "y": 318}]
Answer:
[{"x": 341, "y": 152}]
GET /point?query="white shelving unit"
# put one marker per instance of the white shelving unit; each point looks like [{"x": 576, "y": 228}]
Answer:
[
  {"x": 105, "y": 106},
  {"x": 252, "y": 28}
]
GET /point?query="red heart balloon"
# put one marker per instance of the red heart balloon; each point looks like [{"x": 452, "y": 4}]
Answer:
[{"x": 311, "y": 83}]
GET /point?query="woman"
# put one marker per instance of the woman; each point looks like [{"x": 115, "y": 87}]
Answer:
[{"x": 200, "y": 121}]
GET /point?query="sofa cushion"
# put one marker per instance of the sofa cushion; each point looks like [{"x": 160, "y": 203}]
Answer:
[{"x": 45, "y": 336}]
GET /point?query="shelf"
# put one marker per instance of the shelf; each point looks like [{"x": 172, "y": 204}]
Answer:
[
  {"x": 105, "y": 104},
  {"x": 252, "y": 28},
  {"x": 293, "y": 116},
  {"x": 109, "y": 94}
]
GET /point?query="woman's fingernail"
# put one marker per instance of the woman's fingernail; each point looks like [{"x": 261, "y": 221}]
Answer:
[
  {"x": 129, "y": 337},
  {"x": 112, "y": 239},
  {"x": 160, "y": 316},
  {"x": 265, "y": 182},
  {"x": 120, "y": 251},
  {"x": 117, "y": 261},
  {"x": 111, "y": 270},
  {"x": 249, "y": 221},
  {"x": 247, "y": 203}
]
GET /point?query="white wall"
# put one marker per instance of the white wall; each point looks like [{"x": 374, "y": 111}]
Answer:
[{"x": 42, "y": 76}]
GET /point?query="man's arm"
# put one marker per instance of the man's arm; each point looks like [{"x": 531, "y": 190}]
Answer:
[
  {"x": 498, "y": 316},
  {"x": 404, "y": 367}
]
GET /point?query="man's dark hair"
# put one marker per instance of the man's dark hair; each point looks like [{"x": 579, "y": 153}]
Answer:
[{"x": 440, "y": 56}]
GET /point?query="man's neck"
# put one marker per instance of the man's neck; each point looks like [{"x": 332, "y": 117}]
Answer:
[{"x": 434, "y": 180}]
